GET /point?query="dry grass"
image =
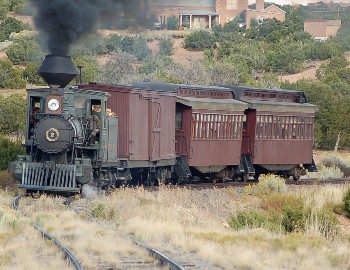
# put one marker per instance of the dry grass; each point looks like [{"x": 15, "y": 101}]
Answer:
[
  {"x": 340, "y": 161},
  {"x": 196, "y": 221},
  {"x": 21, "y": 246},
  {"x": 7, "y": 181},
  {"x": 90, "y": 242},
  {"x": 325, "y": 172},
  {"x": 331, "y": 164}
]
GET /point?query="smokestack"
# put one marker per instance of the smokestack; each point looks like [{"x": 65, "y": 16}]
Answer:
[
  {"x": 259, "y": 5},
  {"x": 58, "y": 70}
]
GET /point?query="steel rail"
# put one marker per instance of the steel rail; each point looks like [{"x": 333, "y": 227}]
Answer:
[
  {"x": 164, "y": 259},
  {"x": 308, "y": 181},
  {"x": 173, "y": 265},
  {"x": 69, "y": 254}
]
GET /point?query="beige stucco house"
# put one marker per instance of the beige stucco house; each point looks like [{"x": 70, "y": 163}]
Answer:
[{"x": 322, "y": 29}]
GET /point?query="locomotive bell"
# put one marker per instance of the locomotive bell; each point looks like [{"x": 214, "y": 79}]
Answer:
[{"x": 58, "y": 70}]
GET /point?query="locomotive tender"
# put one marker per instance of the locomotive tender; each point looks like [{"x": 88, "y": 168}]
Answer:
[{"x": 148, "y": 133}]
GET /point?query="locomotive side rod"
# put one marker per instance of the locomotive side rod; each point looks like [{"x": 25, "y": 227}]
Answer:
[{"x": 68, "y": 254}]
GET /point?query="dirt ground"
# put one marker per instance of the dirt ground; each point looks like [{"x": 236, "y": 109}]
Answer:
[
  {"x": 184, "y": 56},
  {"x": 26, "y": 19},
  {"x": 309, "y": 73},
  {"x": 3, "y": 55}
]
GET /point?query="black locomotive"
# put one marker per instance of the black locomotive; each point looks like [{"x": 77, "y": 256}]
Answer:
[{"x": 63, "y": 127}]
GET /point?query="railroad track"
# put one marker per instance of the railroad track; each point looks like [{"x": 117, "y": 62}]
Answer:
[
  {"x": 170, "y": 261},
  {"x": 136, "y": 260},
  {"x": 68, "y": 254},
  {"x": 162, "y": 258},
  {"x": 308, "y": 181}
]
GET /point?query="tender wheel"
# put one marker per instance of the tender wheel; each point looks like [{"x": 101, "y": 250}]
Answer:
[
  {"x": 286, "y": 176},
  {"x": 244, "y": 177},
  {"x": 235, "y": 178},
  {"x": 296, "y": 175}
]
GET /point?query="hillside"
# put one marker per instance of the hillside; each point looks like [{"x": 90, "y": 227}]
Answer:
[
  {"x": 181, "y": 55},
  {"x": 186, "y": 57}
]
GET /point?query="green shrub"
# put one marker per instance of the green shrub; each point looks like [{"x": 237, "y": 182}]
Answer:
[
  {"x": 199, "y": 40},
  {"x": 172, "y": 23},
  {"x": 11, "y": 25},
  {"x": 11, "y": 77},
  {"x": 337, "y": 161},
  {"x": 16, "y": 6},
  {"x": 287, "y": 213},
  {"x": 3, "y": 12},
  {"x": 158, "y": 64},
  {"x": 127, "y": 44},
  {"x": 113, "y": 43},
  {"x": 12, "y": 115},
  {"x": 249, "y": 219},
  {"x": 9, "y": 149},
  {"x": 97, "y": 209},
  {"x": 90, "y": 66},
  {"x": 294, "y": 217},
  {"x": 140, "y": 48},
  {"x": 24, "y": 50},
  {"x": 346, "y": 201},
  {"x": 267, "y": 184},
  {"x": 30, "y": 74},
  {"x": 166, "y": 46}
]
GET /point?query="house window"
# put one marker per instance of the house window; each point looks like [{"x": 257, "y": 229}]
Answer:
[{"x": 231, "y": 4}]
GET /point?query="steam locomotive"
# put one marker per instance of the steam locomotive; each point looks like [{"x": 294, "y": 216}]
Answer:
[{"x": 149, "y": 133}]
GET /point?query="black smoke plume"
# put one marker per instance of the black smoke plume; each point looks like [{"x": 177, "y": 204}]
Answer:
[{"x": 63, "y": 23}]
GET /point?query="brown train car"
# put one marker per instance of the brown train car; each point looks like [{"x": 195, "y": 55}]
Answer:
[
  {"x": 211, "y": 129},
  {"x": 209, "y": 123},
  {"x": 279, "y": 131},
  {"x": 146, "y": 132}
]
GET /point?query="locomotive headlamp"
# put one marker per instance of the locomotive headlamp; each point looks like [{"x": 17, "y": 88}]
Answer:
[{"x": 53, "y": 104}]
